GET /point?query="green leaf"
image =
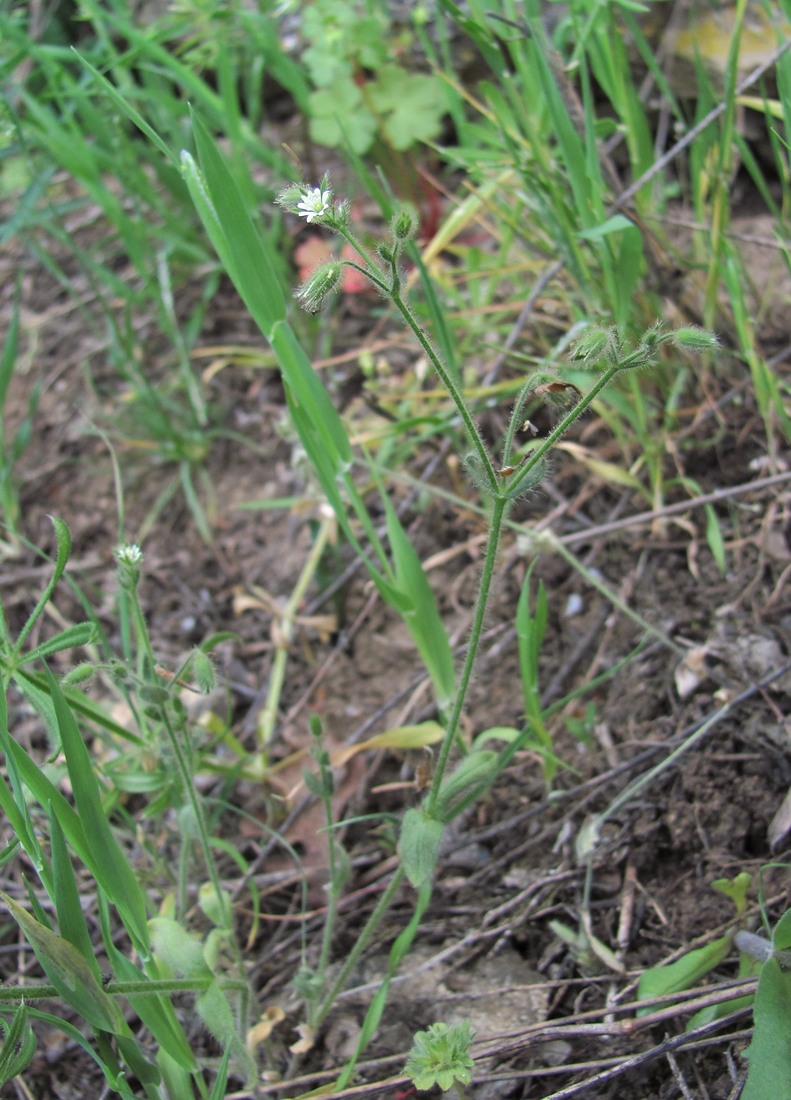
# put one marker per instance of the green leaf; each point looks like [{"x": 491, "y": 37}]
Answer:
[
  {"x": 126, "y": 108},
  {"x": 107, "y": 861},
  {"x": 781, "y": 936},
  {"x": 400, "y": 948},
  {"x": 68, "y": 971},
  {"x": 14, "y": 804},
  {"x": 770, "y": 1050},
  {"x": 497, "y": 733},
  {"x": 215, "y": 1011},
  {"x": 177, "y": 950},
  {"x": 146, "y": 1072},
  {"x": 530, "y": 629},
  {"x": 248, "y": 258},
  {"x": 76, "y": 635},
  {"x": 412, "y": 105},
  {"x": 156, "y": 1012},
  {"x": 63, "y": 549},
  {"x": 19, "y": 1045},
  {"x": 659, "y": 981},
  {"x": 339, "y": 117},
  {"x": 308, "y": 391},
  {"x": 419, "y": 610},
  {"x": 418, "y": 846},
  {"x": 441, "y": 1055},
  {"x": 715, "y": 540},
  {"x": 718, "y": 1011},
  {"x": 466, "y": 782},
  {"x": 218, "y": 1090},
  {"x": 66, "y": 897},
  {"x": 735, "y": 888},
  {"x": 616, "y": 224}
]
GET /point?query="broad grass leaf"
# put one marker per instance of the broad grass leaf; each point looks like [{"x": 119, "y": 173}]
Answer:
[
  {"x": 615, "y": 224},
  {"x": 218, "y": 1091},
  {"x": 108, "y": 862},
  {"x": 309, "y": 392},
  {"x": 126, "y": 107},
  {"x": 175, "y": 1077},
  {"x": 13, "y": 802},
  {"x": 146, "y": 1072},
  {"x": 530, "y": 630},
  {"x": 34, "y": 685},
  {"x": 715, "y": 540},
  {"x": 249, "y": 259},
  {"x": 420, "y": 611},
  {"x": 496, "y": 733},
  {"x": 322, "y": 461},
  {"x": 68, "y": 971},
  {"x": 66, "y": 896}
]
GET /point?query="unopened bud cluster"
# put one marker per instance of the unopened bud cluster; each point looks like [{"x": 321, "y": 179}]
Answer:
[{"x": 599, "y": 344}]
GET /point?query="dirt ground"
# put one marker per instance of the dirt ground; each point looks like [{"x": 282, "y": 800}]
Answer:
[{"x": 545, "y": 1008}]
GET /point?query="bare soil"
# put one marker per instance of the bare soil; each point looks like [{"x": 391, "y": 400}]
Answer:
[{"x": 491, "y": 948}]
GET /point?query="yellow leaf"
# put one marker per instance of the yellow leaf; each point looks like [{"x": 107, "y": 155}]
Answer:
[{"x": 400, "y": 737}]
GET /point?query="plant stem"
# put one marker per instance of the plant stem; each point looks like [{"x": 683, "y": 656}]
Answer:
[
  {"x": 153, "y": 988},
  {"x": 185, "y": 773},
  {"x": 335, "y": 883},
  {"x": 473, "y": 434},
  {"x": 285, "y": 631},
  {"x": 499, "y": 510},
  {"x": 361, "y": 943},
  {"x": 563, "y": 425},
  {"x": 392, "y": 290}
]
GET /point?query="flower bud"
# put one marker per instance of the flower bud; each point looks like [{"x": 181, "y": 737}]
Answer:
[
  {"x": 403, "y": 225},
  {"x": 694, "y": 338},
  {"x": 315, "y": 289},
  {"x": 596, "y": 343}
]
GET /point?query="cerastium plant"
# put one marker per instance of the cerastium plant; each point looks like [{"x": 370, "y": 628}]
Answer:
[
  {"x": 519, "y": 469},
  {"x": 151, "y": 958}
]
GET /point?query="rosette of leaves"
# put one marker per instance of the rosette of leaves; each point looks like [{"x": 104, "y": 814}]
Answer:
[{"x": 441, "y": 1056}]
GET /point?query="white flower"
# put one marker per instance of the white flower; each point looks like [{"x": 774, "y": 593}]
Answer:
[
  {"x": 314, "y": 204},
  {"x": 129, "y": 554}
]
